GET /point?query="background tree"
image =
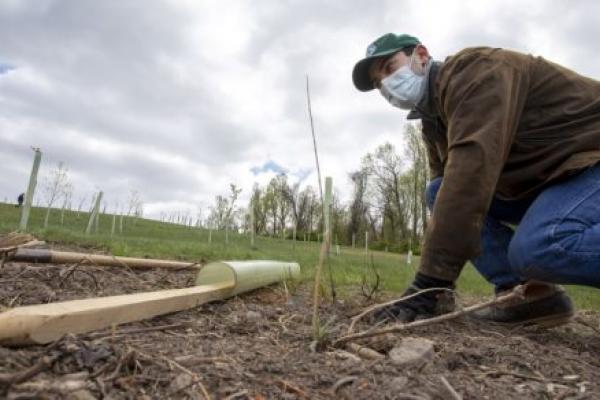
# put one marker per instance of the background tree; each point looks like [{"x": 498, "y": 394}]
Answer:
[{"x": 55, "y": 187}]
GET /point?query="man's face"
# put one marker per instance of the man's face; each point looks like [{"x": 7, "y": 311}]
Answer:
[{"x": 384, "y": 67}]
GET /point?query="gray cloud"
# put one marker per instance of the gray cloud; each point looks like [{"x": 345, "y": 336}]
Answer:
[{"x": 177, "y": 99}]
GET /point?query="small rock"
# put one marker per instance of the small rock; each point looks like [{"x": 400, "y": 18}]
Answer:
[
  {"x": 181, "y": 381},
  {"x": 398, "y": 383},
  {"x": 412, "y": 351},
  {"x": 253, "y": 316}
]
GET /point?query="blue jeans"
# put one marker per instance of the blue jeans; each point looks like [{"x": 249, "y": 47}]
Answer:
[{"x": 557, "y": 238}]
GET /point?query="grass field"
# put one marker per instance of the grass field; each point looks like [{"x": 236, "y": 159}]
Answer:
[{"x": 148, "y": 238}]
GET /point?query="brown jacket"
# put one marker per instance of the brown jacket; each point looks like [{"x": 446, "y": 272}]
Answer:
[{"x": 505, "y": 124}]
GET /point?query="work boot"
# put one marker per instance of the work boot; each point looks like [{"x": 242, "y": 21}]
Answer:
[{"x": 544, "y": 304}]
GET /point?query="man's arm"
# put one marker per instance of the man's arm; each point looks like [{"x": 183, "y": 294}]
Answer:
[
  {"x": 436, "y": 167},
  {"x": 482, "y": 102}
]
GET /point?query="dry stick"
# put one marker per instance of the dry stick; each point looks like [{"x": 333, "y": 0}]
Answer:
[
  {"x": 18, "y": 377},
  {"x": 453, "y": 393},
  {"x": 43, "y": 364},
  {"x": 99, "y": 335},
  {"x": 517, "y": 293},
  {"x": 348, "y": 380},
  {"x": 288, "y": 387},
  {"x": 314, "y": 137},
  {"x": 376, "y": 307},
  {"x": 172, "y": 363}
]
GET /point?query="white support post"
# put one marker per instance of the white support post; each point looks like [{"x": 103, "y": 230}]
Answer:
[
  {"x": 30, "y": 190},
  {"x": 294, "y": 236},
  {"x": 94, "y": 214},
  {"x": 327, "y": 207},
  {"x": 252, "y": 240},
  {"x": 112, "y": 228},
  {"x": 366, "y": 243}
]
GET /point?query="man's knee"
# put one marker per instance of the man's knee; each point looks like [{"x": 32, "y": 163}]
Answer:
[
  {"x": 532, "y": 255},
  {"x": 431, "y": 192}
]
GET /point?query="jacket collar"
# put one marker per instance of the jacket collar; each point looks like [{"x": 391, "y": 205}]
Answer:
[{"x": 427, "y": 107}]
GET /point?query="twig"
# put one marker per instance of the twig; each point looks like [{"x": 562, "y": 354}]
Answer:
[
  {"x": 18, "y": 377},
  {"x": 343, "y": 382},
  {"x": 192, "y": 383},
  {"x": 517, "y": 293},
  {"x": 288, "y": 387},
  {"x": 99, "y": 335},
  {"x": 172, "y": 363},
  {"x": 376, "y": 307},
  {"x": 314, "y": 137},
  {"x": 453, "y": 393},
  {"x": 237, "y": 395},
  {"x": 72, "y": 269},
  {"x": 585, "y": 323}
]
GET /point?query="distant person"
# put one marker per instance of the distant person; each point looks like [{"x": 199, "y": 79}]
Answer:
[
  {"x": 512, "y": 139},
  {"x": 20, "y": 200}
]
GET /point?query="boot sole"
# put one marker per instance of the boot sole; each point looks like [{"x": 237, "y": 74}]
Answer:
[{"x": 549, "y": 321}]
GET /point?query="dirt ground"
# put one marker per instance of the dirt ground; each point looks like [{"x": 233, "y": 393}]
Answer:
[{"x": 258, "y": 346}]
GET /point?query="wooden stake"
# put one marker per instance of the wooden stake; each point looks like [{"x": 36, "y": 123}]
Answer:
[
  {"x": 45, "y": 323},
  {"x": 30, "y": 190}
]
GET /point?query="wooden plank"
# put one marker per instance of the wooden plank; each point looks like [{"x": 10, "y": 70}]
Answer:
[{"x": 45, "y": 323}]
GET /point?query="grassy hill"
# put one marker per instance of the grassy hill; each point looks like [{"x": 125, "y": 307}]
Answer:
[{"x": 154, "y": 239}]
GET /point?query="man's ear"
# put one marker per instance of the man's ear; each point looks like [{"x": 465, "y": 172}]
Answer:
[{"x": 422, "y": 53}]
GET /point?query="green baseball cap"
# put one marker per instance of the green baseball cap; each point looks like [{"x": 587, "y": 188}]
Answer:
[{"x": 386, "y": 45}]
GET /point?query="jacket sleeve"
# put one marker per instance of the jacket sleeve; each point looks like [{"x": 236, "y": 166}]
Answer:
[
  {"x": 482, "y": 101},
  {"x": 436, "y": 167}
]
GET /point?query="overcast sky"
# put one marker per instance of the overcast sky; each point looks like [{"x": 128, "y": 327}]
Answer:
[{"x": 177, "y": 99}]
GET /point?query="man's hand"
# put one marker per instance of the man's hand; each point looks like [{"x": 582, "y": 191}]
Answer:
[{"x": 423, "y": 305}]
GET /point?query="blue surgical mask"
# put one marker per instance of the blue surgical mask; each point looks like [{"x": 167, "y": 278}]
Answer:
[{"x": 403, "y": 88}]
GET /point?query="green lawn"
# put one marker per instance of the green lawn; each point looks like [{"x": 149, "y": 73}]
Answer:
[{"x": 147, "y": 238}]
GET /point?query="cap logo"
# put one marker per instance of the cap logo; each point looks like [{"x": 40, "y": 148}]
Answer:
[{"x": 371, "y": 49}]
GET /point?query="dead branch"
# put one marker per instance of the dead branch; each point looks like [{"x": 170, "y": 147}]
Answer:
[
  {"x": 517, "y": 293},
  {"x": 376, "y": 307},
  {"x": 22, "y": 376}
]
